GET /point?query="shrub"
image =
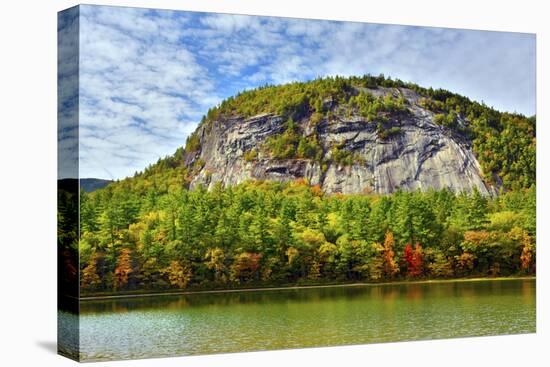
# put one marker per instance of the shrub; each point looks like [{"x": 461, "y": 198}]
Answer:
[
  {"x": 385, "y": 134},
  {"x": 316, "y": 118},
  {"x": 309, "y": 148},
  {"x": 250, "y": 155},
  {"x": 192, "y": 143},
  {"x": 341, "y": 156}
]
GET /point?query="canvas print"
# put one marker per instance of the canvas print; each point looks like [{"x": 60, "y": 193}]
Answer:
[{"x": 232, "y": 183}]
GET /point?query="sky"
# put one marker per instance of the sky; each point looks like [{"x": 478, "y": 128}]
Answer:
[{"x": 146, "y": 77}]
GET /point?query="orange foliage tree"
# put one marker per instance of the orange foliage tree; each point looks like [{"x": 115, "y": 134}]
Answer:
[
  {"x": 390, "y": 265},
  {"x": 90, "y": 279},
  {"x": 317, "y": 190},
  {"x": 123, "y": 268},
  {"x": 527, "y": 251}
]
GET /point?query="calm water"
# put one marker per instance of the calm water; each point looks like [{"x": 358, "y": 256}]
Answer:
[{"x": 246, "y": 321}]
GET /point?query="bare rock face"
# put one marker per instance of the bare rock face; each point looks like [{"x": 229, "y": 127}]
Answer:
[{"x": 422, "y": 156}]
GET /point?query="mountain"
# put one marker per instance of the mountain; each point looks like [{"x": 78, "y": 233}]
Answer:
[
  {"x": 420, "y": 155},
  {"x": 360, "y": 135},
  {"x": 92, "y": 184}
]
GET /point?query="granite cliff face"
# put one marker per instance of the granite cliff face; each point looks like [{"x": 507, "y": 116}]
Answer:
[{"x": 419, "y": 154}]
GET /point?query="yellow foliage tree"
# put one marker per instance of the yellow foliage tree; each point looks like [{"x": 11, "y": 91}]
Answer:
[
  {"x": 292, "y": 253},
  {"x": 216, "y": 258},
  {"x": 179, "y": 274}
]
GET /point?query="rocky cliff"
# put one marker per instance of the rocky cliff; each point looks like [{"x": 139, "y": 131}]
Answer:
[{"x": 404, "y": 150}]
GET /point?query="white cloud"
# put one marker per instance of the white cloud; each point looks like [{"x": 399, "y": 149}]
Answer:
[
  {"x": 139, "y": 89},
  {"x": 229, "y": 22}
]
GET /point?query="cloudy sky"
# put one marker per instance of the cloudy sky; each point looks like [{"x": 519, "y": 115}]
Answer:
[{"x": 147, "y": 77}]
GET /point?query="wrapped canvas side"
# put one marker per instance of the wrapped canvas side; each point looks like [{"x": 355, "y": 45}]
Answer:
[{"x": 68, "y": 183}]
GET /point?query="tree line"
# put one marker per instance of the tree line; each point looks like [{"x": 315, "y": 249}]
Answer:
[{"x": 267, "y": 233}]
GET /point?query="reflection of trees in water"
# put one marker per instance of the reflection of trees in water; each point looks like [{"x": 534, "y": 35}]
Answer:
[
  {"x": 414, "y": 292},
  {"x": 528, "y": 291},
  {"x": 133, "y": 304},
  {"x": 388, "y": 294},
  {"x": 225, "y": 299}
]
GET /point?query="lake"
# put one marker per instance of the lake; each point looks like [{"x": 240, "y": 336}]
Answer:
[{"x": 296, "y": 318}]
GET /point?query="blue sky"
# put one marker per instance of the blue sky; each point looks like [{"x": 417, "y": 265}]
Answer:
[{"x": 147, "y": 77}]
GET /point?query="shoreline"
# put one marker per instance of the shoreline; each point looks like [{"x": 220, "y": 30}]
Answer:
[{"x": 294, "y": 287}]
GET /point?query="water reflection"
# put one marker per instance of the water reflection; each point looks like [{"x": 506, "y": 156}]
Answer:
[
  {"x": 244, "y": 321},
  {"x": 386, "y": 293}
]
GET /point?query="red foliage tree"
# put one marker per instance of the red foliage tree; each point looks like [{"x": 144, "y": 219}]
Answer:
[
  {"x": 408, "y": 255},
  {"x": 414, "y": 260}
]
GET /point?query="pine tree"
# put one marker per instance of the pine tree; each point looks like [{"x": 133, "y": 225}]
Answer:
[{"x": 477, "y": 211}]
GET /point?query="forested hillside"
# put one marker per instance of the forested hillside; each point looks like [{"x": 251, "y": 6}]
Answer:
[{"x": 151, "y": 232}]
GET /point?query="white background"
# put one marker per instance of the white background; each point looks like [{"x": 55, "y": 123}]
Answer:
[{"x": 28, "y": 181}]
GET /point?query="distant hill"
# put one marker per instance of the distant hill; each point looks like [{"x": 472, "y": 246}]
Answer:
[{"x": 92, "y": 184}]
